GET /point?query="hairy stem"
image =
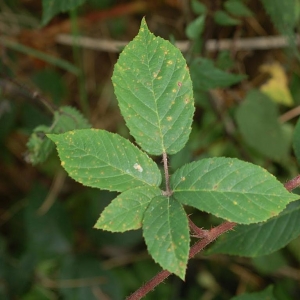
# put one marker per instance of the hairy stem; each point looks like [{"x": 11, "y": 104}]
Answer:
[
  {"x": 198, "y": 232},
  {"x": 161, "y": 276},
  {"x": 207, "y": 237},
  {"x": 293, "y": 183}
]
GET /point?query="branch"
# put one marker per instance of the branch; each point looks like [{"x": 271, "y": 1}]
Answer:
[
  {"x": 293, "y": 183},
  {"x": 161, "y": 276},
  {"x": 256, "y": 43},
  {"x": 207, "y": 237}
]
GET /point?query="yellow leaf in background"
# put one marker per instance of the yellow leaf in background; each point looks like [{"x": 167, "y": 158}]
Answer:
[{"x": 277, "y": 86}]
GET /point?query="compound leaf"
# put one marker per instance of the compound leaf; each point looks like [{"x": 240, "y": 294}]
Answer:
[
  {"x": 258, "y": 239},
  {"x": 231, "y": 189},
  {"x": 126, "y": 212},
  {"x": 166, "y": 233},
  {"x": 154, "y": 91},
  {"x": 101, "y": 159}
]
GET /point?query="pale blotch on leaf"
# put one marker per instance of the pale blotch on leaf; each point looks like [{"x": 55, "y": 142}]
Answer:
[{"x": 138, "y": 167}]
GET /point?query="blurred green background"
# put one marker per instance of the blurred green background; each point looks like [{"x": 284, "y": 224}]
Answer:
[{"x": 247, "y": 106}]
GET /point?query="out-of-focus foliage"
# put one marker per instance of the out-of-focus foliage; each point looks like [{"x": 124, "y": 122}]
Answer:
[{"x": 48, "y": 246}]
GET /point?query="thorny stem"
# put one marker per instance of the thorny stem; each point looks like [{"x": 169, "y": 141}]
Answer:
[
  {"x": 206, "y": 237},
  {"x": 198, "y": 232},
  {"x": 293, "y": 183},
  {"x": 161, "y": 276},
  {"x": 168, "y": 191}
]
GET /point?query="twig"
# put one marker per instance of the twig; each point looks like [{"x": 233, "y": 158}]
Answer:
[
  {"x": 295, "y": 112},
  {"x": 72, "y": 283},
  {"x": 208, "y": 237},
  {"x": 293, "y": 183},
  {"x": 199, "y": 232},
  {"x": 34, "y": 95},
  {"x": 256, "y": 43},
  {"x": 56, "y": 187},
  {"x": 161, "y": 276}
]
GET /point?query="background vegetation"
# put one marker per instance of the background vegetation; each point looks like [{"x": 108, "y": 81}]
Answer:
[{"x": 247, "y": 106}]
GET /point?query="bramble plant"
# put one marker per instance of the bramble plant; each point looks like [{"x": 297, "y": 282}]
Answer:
[{"x": 155, "y": 95}]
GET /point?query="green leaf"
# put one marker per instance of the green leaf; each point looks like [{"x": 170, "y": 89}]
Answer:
[
  {"x": 154, "y": 91},
  {"x": 296, "y": 141},
  {"x": 237, "y": 8},
  {"x": 231, "y": 189},
  {"x": 166, "y": 232},
  {"x": 269, "y": 264},
  {"x": 65, "y": 119},
  {"x": 104, "y": 160},
  {"x": 257, "y": 120},
  {"x": 195, "y": 28},
  {"x": 69, "y": 118},
  {"x": 266, "y": 294},
  {"x": 126, "y": 212},
  {"x": 282, "y": 14},
  {"x": 206, "y": 76},
  {"x": 258, "y": 239},
  {"x": 38, "y": 146},
  {"x": 53, "y": 7},
  {"x": 223, "y": 19},
  {"x": 224, "y": 60},
  {"x": 198, "y": 7}
]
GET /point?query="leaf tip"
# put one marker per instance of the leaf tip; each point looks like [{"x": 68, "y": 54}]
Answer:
[{"x": 51, "y": 136}]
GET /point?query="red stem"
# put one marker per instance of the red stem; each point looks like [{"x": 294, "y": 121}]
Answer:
[
  {"x": 161, "y": 276},
  {"x": 207, "y": 236},
  {"x": 293, "y": 183}
]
